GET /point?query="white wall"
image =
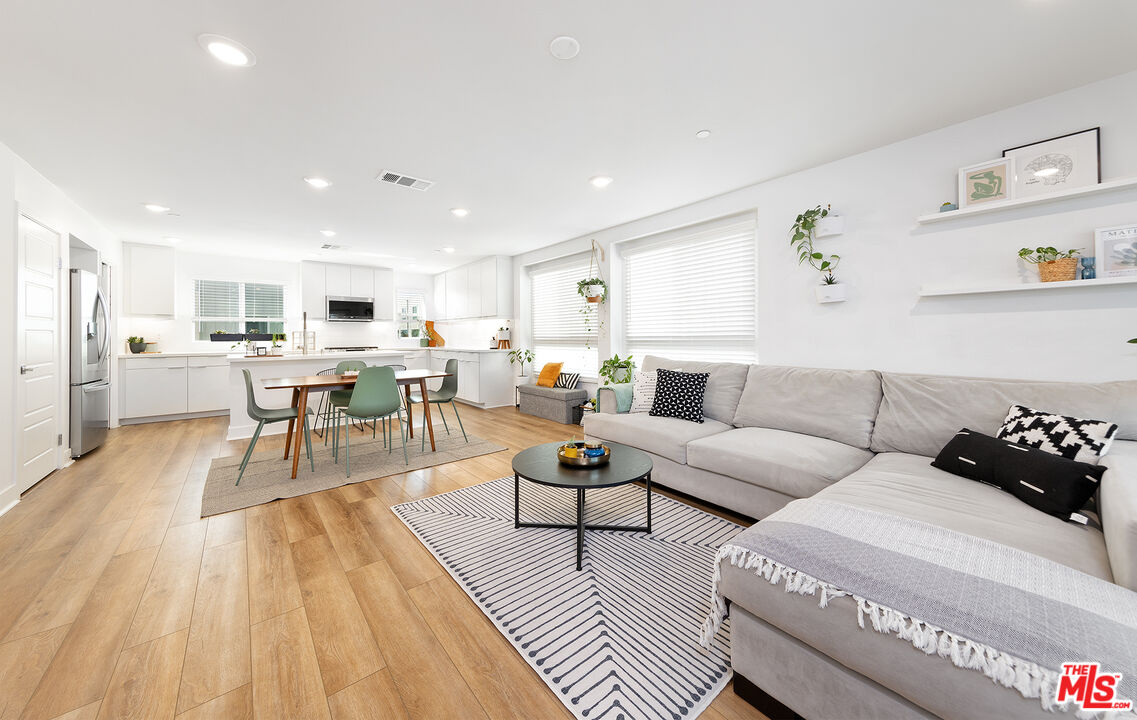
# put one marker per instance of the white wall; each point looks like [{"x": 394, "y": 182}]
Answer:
[
  {"x": 1076, "y": 334},
  {"x": 24, "y": 190}
]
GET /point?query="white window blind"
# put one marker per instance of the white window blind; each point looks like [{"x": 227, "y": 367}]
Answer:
[
  {"x": 410, "y": 306},
  {"x": 691, "y": 294},
  {"x": 237, "y": 307},
  {"x": 559, "y": 333}
]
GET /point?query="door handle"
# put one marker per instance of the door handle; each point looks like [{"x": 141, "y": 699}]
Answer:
[{"x": 25, "y": 369}]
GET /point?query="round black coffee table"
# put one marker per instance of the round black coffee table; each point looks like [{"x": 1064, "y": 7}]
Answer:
[{"x": 539, "y": 464}]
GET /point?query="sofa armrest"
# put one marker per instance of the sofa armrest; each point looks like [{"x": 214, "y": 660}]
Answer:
[
  {"x": 1118, "y": 506},
  {"x": 610, "y": 398}
]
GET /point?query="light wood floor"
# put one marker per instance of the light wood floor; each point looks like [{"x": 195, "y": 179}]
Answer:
[{"x": 117, "y": 600}]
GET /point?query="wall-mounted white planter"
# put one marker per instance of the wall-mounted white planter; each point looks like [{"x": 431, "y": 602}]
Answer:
[
  {"x": 829, "y": 225},
  {"x": 836, "y": 292}
]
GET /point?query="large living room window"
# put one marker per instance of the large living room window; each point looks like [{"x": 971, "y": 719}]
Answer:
[
  {"x": 236, "y": 307},
  {"x": 691, "y": 293},
  {"x": 559, "y": 333}
]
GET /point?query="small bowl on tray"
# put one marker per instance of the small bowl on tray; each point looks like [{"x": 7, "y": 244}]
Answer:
[{"x": 583, "y": 455}]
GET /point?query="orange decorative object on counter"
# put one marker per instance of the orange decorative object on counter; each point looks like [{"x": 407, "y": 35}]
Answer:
[{"x": 436, "y": 340}]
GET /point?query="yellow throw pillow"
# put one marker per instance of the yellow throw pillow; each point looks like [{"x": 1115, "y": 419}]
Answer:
[{"x": 549, "y": 374}]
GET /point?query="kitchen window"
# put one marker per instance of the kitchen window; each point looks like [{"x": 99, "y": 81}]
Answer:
[
  {"x": 691, "y": 294},
  {"x": 559, "y": 332},
  {"x": 237, "y": 307},
  {"x": 410, "y": 313}
]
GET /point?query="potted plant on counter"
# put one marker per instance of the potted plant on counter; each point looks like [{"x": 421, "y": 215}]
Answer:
[
  {"x": 137, "y": 344},
  {"x": 1053, "y": 265},
  {"x": 617, "y": 370},
  {"x": 801, "y": 238}
]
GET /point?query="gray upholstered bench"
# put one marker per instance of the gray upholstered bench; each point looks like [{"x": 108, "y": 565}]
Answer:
[{"x": 557, "y": 404}]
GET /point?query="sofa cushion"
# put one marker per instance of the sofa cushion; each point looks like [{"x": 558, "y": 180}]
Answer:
[
  {"x": 556, "y": 393},
  {"x": 837, "y": 404},
  {"x": 1118, "y": 503},
  {"x": 664, "y": 436},
  {"x": 920, "y": 413},
  {"x": 908, "y": 485},
  {"x": 724, "y": 386},
  {"x": 791, "y": 463}
]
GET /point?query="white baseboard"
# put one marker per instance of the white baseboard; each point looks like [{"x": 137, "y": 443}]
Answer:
[
  {"x": 9, "y": 497},
  {"x": 168, "y": 418}
]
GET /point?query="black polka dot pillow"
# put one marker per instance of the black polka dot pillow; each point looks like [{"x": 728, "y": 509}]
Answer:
[{"x": 679, "y": 395}]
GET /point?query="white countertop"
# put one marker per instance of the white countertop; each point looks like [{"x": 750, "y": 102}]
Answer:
[
  {"x": 163, "y": 354},
  {"x": 296, "y": 357},
  {"x": 292, "y": 355}
]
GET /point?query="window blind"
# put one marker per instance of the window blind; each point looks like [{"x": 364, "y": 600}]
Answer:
[
  {"x": 216, "y": 299},
  {"x": 264, "y": 301},
  {"x": 559, "y": 333},
  {"x": 691, "y": 294},
  {"x": 237, "y": 307}
]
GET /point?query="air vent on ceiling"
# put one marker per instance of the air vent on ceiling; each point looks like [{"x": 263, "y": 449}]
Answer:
[
  {"x": 329, "y": 246},
  {"x": 395, "y": 178}
]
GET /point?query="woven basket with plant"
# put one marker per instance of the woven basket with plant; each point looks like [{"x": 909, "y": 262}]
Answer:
[{"x": 1053, "y": 266}]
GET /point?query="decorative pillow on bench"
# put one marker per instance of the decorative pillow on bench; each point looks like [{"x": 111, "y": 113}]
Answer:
[
  {"x": 1072, "y": 438},
  {"x": 679, "y": 395},
  {"x": 567, "y": 381},
  {"x": 643, "y": 391},
  {"x": 1050, "y": 483}
]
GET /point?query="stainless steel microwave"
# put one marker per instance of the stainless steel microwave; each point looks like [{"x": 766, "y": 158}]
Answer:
[{"x": 350, "y": 309}]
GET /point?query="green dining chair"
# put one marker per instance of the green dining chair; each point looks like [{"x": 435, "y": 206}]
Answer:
[
  {"x": 375, "y": 397},
  {"x": 267, "y": 416},
  {"x": 440, "y": 397},
  {"x": 338, "y": 399}
]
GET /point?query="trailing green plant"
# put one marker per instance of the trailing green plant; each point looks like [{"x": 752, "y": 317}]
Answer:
[
  {"x": 1134, "y": 341},
  {"x": 582, "y": 285},
  {"x": 801, "y": 238},
  {"x": 616, "y": 366},
  {"x": 1046, "y": 254},
  {"x": 522, "y": 356},
  {"x": 134, "y": 339}
]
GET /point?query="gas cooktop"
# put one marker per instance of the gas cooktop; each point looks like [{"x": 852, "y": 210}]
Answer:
[{"x": 352, "y": 348}]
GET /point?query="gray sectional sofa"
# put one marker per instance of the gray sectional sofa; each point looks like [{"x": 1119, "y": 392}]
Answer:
[{"x": 866, "y": 438}]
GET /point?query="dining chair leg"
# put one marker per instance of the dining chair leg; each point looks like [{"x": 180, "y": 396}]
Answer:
[
  {"x": 425, "y": 410},
  {"x": 440, "y": 414},
  {"x": 249, "y": 452},
  {"x": 403, "y": 436},
  {"x": 454, "y": 407},
  {"x": 336, "y": 437},
  {"x": 347, "y": 443},
  {"x": 328, "y": 422},
  {"x": 308, "y": 443}
]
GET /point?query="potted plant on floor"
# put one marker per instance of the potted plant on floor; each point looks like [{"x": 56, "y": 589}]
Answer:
[
  {"x": 801, "y": 238},
  {"x": 137, "y": 344},
  {"x": 521, "y": 356},
  {"x": 1053, "y": 265},
  {"x": 617, "y": 370}
]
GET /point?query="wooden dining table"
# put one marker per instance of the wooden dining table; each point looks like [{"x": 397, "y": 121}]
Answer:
[{"x": 301, "y": 385}]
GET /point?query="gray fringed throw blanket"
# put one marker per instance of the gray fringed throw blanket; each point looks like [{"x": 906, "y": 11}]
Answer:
[{"x": 1011, "y": 615}]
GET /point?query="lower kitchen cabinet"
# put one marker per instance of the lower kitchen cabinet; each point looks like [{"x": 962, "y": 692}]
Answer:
[
  {"x": 158, "y": 385},
  {"x": 208, "y": 384},
  {"x": 484, "y": 378}
]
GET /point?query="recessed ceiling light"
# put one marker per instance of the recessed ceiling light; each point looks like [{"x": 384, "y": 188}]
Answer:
[
  {"x": 703, "y": 134},
  {"x": 328, "y": 233},
  {"x": 564, "y": 47},
  {"x": 600, "y": 181},
  {"x": 173, "y": 240},
  {"x": 448, "y": 250},
  {"x": 317, "y": 182},
  {"x": 154, "y": 208},
  {"x": 459, "y": 212},
  {"x": 227, "y": 50},
  {"x": 1046, "y": 172}
]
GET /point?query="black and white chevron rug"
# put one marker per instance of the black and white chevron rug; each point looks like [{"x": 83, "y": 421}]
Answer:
[{"x": 618, "y": 640}]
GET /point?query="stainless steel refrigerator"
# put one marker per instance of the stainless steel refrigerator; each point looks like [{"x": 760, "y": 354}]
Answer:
[{"x": 90, "y": 362}]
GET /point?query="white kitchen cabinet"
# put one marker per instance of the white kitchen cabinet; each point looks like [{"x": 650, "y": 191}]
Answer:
[
  {"x": 153, "y": 386},
  {"x": 456, "y": 288},
  {"x": 487, "y": 286},
  {"x": 207, "y": 384},
  {"x": 483, "y": 289},
  {"x": 337, "y": 280},
  {"x": 149, "y": 279},
  {"x": 362, "y": 281},
  {"x": 484, "y": 378},
  {"x": 441, "y": 311},
  {"x": 384, "y": 293},
  {"x": 313, "y": 289}
]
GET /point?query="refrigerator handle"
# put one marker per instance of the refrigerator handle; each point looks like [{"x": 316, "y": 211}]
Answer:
[{"x": 101, "y": 305}]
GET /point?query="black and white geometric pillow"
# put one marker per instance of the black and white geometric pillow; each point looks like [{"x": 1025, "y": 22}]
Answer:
[
  {"x": 1072, "y": 438},
  {"x": 679, "y": 395},
  {"x": 567, "y": 380},
  {"x": 643, "y": 391}
]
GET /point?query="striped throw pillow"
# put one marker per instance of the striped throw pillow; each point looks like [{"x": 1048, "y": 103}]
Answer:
[{"x": 567, "y": 380}]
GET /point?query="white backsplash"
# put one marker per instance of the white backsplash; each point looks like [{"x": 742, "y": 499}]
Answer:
[{"x": 469, "y": 333}]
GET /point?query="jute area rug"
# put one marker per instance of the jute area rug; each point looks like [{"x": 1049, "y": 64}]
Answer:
[
  {"x": 267, "y": 476},
  {"x": 618, "y": 639}
]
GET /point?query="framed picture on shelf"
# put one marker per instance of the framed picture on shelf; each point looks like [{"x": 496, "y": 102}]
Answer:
[
  {"x": 1060, "y": 163},
  {"x": 986, "y": 182},
  {"x": 1115, "y": 251}
]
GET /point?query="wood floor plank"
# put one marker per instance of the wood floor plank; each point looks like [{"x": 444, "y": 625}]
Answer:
[
  {"x": 356, "y": 491},
  {"x": 24, "y": 581},
  {"x": 426, "y": 677},
  {"x": 88, "y": 503},
  {"x": 504, "y": 683},
  {"x": 81, "y": 669},
  {"x": 374, "y": 696},
  {"x": 286, "y": 681},
  {"x": 22, "y": 664},
  {"x": 353, "y": 545},
  {"x": 732, "y": 707},
  {"x": 408, "y": 558},
  {"x": 301, "y": 518},
  {"x": 144, "y": 685},
  {"x": 87, "y": 712},
  {"x": 167, "y": 603},
  {"x": 344, "y": 646},
  {"x": 225, "y": 528},
  {"x": 273, "y": 586},
  {"x": 233, "y": 705},
  {"x": 217, "y": 654}
]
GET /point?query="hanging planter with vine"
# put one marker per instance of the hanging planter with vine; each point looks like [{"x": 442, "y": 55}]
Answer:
[{"x": 594, "y": 291}]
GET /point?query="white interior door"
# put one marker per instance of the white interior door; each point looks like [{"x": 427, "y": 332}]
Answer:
[{"x": 37, "y": 352}]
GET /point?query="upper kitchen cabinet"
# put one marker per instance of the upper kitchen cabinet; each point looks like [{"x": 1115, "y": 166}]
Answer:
[
  {"x": 149, "y": 279},
  {"x": 483, "y": 289},
  {"x": 318, "y": 280}
]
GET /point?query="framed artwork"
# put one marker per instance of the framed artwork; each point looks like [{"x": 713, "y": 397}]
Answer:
[
  {"x": 1060, "y": 163},
  {"x": 986, "y": 182},
  {"x": 1115, "y": 251}
]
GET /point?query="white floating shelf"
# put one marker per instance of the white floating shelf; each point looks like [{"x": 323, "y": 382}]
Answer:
[
  {"x": 985, "y": 208},
  {"x": 1019, "y": 287}
]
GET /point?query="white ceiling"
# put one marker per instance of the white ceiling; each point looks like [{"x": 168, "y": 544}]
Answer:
[{"x": 115, "y": 102}]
